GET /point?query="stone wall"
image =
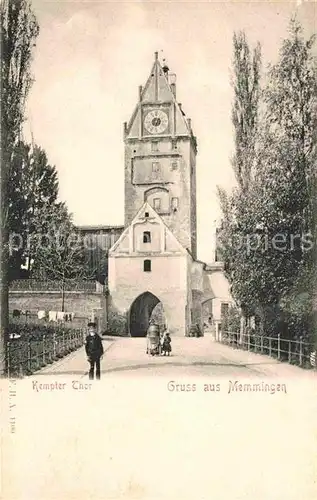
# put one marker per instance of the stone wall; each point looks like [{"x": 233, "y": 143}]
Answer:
[
  {"x": 177, "y": 184},
  {"x": 82, "y": 304}
]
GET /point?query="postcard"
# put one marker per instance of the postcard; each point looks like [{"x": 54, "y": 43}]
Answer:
[{"x": 158, "y": 261}]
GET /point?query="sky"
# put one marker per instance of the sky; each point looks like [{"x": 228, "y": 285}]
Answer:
[{"x": 89, "y": 60}]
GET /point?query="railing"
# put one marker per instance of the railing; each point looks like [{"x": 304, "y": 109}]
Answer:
[
  {"x": 52, "y": 286},
  {"x": 29, "y": 354},
  {"x": 296, "y": 352}
]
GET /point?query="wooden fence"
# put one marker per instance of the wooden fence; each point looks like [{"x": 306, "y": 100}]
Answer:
[{"x": 296, "y": 352}]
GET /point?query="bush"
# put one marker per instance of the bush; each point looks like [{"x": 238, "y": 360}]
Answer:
[
  {"x": 231, "y": 321},
  {"x": 117, "y": 324}
]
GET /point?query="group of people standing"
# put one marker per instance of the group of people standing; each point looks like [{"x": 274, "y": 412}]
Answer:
[{"x": 94, "y": 348}]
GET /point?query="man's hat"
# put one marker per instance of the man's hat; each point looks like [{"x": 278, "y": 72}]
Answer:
[{"x": 91, "y": 323}]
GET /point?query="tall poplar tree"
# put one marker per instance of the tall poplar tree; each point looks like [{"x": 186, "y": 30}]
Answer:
[
  {"x": 19, "y": 30},
  {"x": 236, "y": 206}
]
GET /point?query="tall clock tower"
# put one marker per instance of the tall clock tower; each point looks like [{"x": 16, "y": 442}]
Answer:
[
  {"x": 153, "y": 272},
  {"x": 160, "y": 157}
]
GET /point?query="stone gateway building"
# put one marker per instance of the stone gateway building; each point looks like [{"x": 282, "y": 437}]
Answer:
[
  {"x": 147, "y": 269},
  {"x": 152, "y": 266}
]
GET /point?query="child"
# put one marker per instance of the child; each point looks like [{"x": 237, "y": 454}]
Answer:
[{"x": 167, "y": 347}]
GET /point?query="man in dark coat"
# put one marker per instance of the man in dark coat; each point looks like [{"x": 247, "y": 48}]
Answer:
[{"x": 94, "y": 350}]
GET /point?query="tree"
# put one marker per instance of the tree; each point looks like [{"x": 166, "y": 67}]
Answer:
[
  {"x": 288, "y": 157},
  {"x": 245, "y": 109},
  {"x": 298, "y": 309},
  {"x": 275, "y": 218},
  {"x": 19, "y": 30},
  {"x": 33, "y": 185},
  {"x": 58, "y": 253},
  {"x": 17, "y": 207},
  {"x": 237, "y": 205}
]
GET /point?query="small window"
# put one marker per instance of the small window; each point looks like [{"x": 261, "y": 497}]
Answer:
[
  {"x": 175, "y": 204},
  {"x": 147, "y": 266},
  {"x": 146, "y": 237},
  {"x": 156, "y": 167},
  {"x": 157, "y": 203},
  {"x": 174, "y": 165},
  {"x": 146, "y": 214},
  {"x": 154, "y": 146},
  {"x": 174, "y": 144}
]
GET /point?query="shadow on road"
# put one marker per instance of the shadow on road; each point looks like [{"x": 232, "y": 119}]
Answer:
[
  {"x": 175, "y": 363},
  {"x": 157, "y": 365}
]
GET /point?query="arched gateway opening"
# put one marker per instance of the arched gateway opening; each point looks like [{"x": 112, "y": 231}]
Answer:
[{"x": 145, "y": 308}]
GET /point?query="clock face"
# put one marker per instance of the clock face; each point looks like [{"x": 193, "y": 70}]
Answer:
[{"x": 156, "y": 121}]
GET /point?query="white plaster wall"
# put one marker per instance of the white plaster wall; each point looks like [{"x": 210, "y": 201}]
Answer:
[
  {"x": 168, "y": 281},
  {"x": 216, "y": 286}
]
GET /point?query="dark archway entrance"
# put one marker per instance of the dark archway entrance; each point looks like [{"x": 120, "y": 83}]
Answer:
[{"x": 140, "y": 313}]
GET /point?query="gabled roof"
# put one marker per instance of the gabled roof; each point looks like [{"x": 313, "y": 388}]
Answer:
[{"x": 152, "y": 216}]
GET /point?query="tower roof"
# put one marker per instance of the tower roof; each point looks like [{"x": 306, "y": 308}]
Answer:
[{"x": 159, "y": 89}]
